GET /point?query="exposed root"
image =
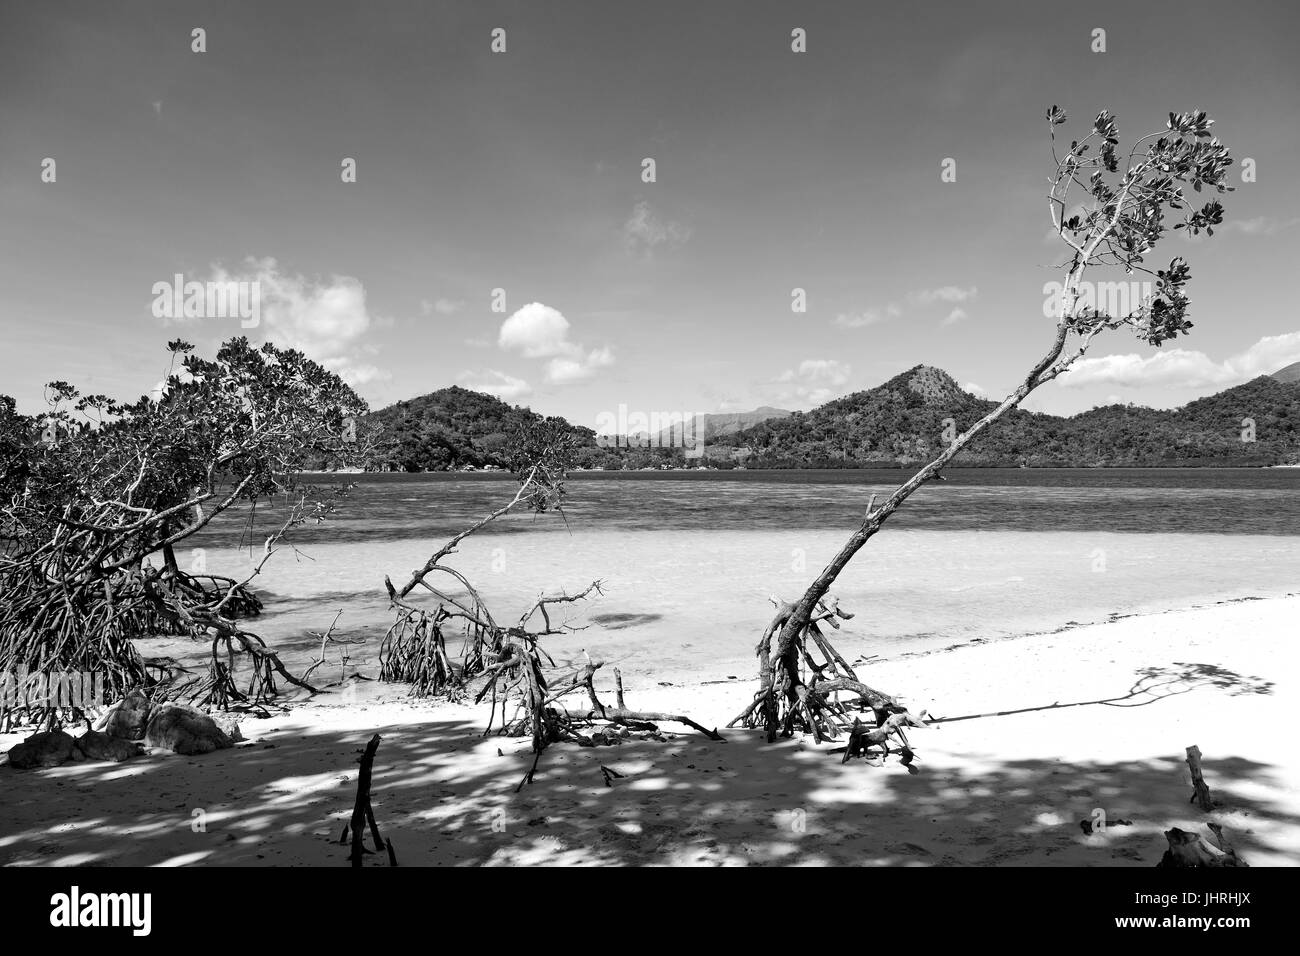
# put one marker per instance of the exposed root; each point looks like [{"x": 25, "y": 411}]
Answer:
[
  {"x": 520, "y": 680},
  {"x": 806, "y": 686}
]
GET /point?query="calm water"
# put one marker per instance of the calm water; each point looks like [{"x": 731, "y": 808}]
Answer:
[
  {"x": 689, "y": 559},
  {"x": 1145, "y": 500}
]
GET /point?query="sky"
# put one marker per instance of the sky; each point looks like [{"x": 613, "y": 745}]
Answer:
[{"x": 500, "y": 232}]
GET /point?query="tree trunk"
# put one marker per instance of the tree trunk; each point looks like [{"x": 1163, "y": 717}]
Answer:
[{"x": 783, "y": 695}]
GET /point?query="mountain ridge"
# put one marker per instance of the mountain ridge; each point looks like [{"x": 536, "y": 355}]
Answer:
[
  {"x": 908, "y": 419},
  {"x": 904, "y": 421}
]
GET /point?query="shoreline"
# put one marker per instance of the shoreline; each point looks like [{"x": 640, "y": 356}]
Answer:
[
  {"x": 992, "y": 790},
  {"x": 749, "y": 473}
]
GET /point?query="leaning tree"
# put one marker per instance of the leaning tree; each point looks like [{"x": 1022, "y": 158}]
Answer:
[
  {"x": 97, "y": 495},
  {"x": 1110, "y": 210}
]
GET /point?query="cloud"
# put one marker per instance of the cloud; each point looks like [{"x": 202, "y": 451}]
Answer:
[
  {"x": 645, "y": 230},
  {"x": 947, "y": 293},
  {"x": 490, "y": 381},
  {"x": 950, "y": 294},
  {"x": 813, "y": 382},
  {"x": 442, "y": 306},
  {"x": 1183, "y": 368},
  {"x": 860, "y": 320},
  {"x": 828, "y": 370},
  {"x": 979, "y": 391},
  {"x": 1260, "y": 225},
  {"x": 539, "y": 331},
  {"x": 325, "y": 320},
  {"x": 565, "y": 371}
]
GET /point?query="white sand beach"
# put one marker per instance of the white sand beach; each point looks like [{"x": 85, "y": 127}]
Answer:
[{"x": 998, "y": 790}]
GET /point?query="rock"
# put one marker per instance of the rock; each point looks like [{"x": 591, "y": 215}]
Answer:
[
  {"x": 42, "y": 750},
  {"x": 95, "y": 745},
  {"x": 129, "y": 719},
  {"x": 229, "y": 726},
  {"x": 184, "y": 730}
]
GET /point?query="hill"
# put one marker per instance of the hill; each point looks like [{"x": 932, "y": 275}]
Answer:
[
  {"x": 722, "y": 424},
  {"x": 904, "y": 422},
  {"x": 908, "y": 419},
  {"x": 1289, "y": 374},
  {"x": 453, "y": 428}
]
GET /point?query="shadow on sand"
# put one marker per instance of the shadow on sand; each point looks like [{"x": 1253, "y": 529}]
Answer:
[{"x": 445, "y": 795}]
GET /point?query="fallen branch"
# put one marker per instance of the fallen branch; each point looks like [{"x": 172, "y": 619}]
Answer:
[{"x": 1188, "y": 850}]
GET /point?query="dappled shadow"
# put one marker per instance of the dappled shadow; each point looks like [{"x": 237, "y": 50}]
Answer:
[
  {"x": 1152, "y": 685},
  {"x": 1212, "y": 675},
  {"x": 446, "y": 795}
]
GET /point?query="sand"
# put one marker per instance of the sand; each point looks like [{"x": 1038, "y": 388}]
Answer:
[{"x": 998, "y": 790}]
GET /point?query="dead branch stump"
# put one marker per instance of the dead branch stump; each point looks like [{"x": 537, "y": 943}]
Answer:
[
  {"x": 1200, "y": 792},
  {"x": 363, "y": 814}
]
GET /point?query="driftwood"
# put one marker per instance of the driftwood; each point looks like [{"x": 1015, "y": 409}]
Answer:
[
  {"x": 1187, "y": 849},
  {"x": 363, "y": 814},
  {"x": 540, "y": 714},
  {"x": 414, "y": 649},
  {"x": 621, "y": 714},
  {"x": 1200, "y": 792},
  {"x": 501, "y": 663}
]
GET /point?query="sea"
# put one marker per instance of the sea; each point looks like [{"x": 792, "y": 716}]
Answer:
[{"x": 690, "y": 561}]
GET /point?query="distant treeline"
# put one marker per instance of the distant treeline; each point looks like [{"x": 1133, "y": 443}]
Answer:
[{"x": 900, "y": 423}]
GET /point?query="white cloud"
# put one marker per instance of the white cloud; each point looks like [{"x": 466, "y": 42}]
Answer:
[
  {"x": 859, "y": 320},
  {"x": 828, "y": 370},
  {"x": 979, "y": 391},
  {"x": 325, "y": 320},
  {"x": 539, "y": 331},
  {"x": 950, "y": 294},
  {"x": 645, "y": 230},
  {"x": 947, "y": 293},
  {"x": 813, "y": 382},
  {"x": 1183, "y": 368},
  {"x": 565, "y": 371},
  {"x": 1259, "y": 225},
  {"x": 490, "y": 381},
  {"x": 442, "y": 306}
]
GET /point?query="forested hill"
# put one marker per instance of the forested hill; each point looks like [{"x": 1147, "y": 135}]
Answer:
[
  {"x": 453, "y": 428},
  {"x": 904, "y": 421}
]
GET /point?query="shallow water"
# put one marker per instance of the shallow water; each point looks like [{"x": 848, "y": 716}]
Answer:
[{"x": 688, "y": 563}]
